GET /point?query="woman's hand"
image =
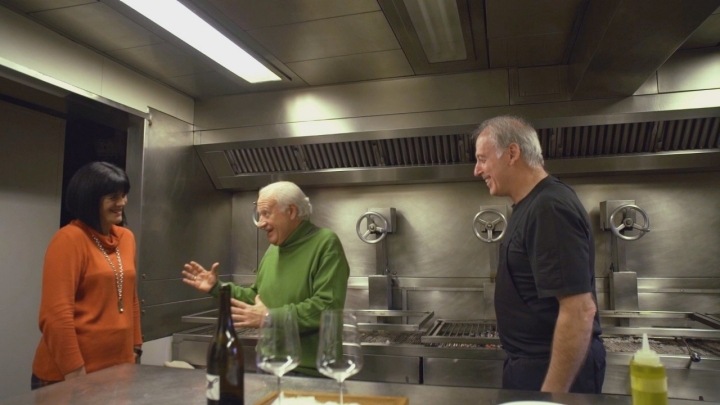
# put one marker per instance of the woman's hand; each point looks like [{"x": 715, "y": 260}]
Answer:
[{"x": 196, "y": 276}]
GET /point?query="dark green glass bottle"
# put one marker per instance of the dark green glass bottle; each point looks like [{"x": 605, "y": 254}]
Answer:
[{"x": 225, "y": 362}]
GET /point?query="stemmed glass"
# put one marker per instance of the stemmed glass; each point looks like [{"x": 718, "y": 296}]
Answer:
[
  {"x": 278, "y": 350},
  {"x": 339, "y": 355}
]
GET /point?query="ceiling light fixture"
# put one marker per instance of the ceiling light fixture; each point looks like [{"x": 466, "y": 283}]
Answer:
[
  {"x": 437, "y": 23},
  {"x": 186, "y": 25}
]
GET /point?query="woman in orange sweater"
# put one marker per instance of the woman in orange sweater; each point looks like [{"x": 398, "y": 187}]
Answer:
[{"x": 89, "y": 310}]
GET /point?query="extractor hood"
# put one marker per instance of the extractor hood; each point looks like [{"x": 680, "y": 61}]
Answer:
[{"x": 667, "y": 146}]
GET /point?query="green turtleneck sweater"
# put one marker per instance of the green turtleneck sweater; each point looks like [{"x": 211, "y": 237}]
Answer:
[{"x": 307, "y": 274}]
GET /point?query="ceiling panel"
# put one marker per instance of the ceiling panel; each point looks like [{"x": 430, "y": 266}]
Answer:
[
  {"x": 359, "y": 33},
  {"x": 205, "y": 85},
  {"x": 160, "y": 60},
  {"x": 254, "y": 14},
  {"x": 29, "y": 6},
  {"x": 707, "y": 34},
  {"x": 527, "y": 51},
  {"x": 99, "y": 26},
  {"x": 352, "y": 68},
  {"x": 515, "y": 18}
]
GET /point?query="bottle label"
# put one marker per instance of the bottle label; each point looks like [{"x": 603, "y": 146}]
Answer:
[{"x": 212, "y": 391}]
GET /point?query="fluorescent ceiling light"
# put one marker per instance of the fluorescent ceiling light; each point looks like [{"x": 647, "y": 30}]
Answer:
[
  {"x": 186, "y": 25},
  {"x": 437, "y": 23}
]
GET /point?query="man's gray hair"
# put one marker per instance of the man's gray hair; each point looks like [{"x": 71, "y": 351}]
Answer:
[
  {"x": 507, "y": 129},
  {"x": 285, "y": 194}
]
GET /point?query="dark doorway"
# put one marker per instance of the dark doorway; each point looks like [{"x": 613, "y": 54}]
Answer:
[{"x": 85, "y": 142}]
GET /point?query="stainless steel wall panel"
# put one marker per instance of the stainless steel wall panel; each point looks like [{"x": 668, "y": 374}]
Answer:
[
  {"x": 183, "y": 218},
  {"x": 365, "y": 99},
  {"x": 182, "y": 211},
  {"x": 688, "y": 70},
  {"x": 81, "y": 22},
  {"x": 529, "y": 17},
  {"x": 526, "y": 51},
  {"x": 204, "y": 84},
  {"x": 353, "y": 68},
  {"x": 163, "y": 320},
  {"x": 448, "y": 304},
  {"x": 29, "y": 6},
  {"x": 396, "y": 369},
  {"x": 160, "y": 60},
  {"x": 669, "y": 200},
  {"x": 157, "y": 292},
  {"x": 267, "y": 13},
  {"x": 603, "y": 53},
  {"x": 712, "y": 281},
  {"x": 244, "y": 240},
  {"x": 325, "y": 38},
  {"x": 442, "y": 267},
  {"x": 707, "y": 34},
  {"x": 462, "y": 372},
  {"x": 357, "y": 298},
  {"x": 649, "y": 87},
  {"x": 702, "y": 303}
]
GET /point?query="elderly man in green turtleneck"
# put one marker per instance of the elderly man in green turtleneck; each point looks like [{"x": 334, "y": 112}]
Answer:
[{"x": 304, "y": 270}]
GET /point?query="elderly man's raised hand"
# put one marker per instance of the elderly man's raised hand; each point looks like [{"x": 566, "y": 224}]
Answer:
[{"x": 195, "y": 275}]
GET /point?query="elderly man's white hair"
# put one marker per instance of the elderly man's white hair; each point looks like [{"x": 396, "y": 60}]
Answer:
[{"x": 285, "y": 194}]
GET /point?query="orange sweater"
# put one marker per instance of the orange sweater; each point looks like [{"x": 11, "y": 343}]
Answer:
[{"x": 79, "y": 317}]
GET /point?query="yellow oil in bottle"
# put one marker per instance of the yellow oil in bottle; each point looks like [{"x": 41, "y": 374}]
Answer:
[
  {"x": 648, "y": 384},
  {"x": 648, "y": 380}
]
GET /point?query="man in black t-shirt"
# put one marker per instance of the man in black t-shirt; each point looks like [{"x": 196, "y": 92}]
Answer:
[{"x": 545, "y": 298}]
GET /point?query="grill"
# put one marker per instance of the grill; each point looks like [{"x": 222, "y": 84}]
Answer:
[
  {"x": 673, "y": 346},
  {"x": 391, "y": 338},
  {"x": 463, "y": 332}
]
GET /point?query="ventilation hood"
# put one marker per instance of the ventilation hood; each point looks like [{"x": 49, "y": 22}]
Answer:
[{"x": 397, "y": 157}]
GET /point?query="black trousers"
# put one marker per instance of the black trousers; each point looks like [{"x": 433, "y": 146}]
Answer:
[{"x": 529, "y": 374}]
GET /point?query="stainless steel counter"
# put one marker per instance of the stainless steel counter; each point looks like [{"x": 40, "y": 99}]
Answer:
[{"x": 139, "y": 385}]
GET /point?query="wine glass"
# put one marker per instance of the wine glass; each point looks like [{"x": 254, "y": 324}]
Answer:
[
  {"x": 339, "y": 355},
  {"x": 278, "y": 350}
]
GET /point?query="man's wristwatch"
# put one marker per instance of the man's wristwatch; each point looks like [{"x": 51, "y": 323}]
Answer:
[{"x": 138, "y": 351}]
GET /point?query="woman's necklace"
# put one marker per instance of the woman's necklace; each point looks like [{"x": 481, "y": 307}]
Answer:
[{"x": 119, "y": 276}]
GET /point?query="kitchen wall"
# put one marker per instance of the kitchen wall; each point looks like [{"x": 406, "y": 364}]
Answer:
[
  {"x": 32, "y": 48},
  {"x": 177, "y": 216},
  {"x": 31, "y": 162},
  {"x": 442, "y": 266}
]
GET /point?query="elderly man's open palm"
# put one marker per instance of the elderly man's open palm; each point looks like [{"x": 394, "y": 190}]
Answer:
[{"x": 196, "y": 276}]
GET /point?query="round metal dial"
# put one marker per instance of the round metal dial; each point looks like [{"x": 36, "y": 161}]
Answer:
[
  {"x": 629, "y": 223},
  {"x": 372, "y": 227},
  {"x": 489, "y": 226}
]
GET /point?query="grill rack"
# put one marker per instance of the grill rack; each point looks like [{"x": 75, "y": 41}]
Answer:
[{"x": 477, "y": 332}]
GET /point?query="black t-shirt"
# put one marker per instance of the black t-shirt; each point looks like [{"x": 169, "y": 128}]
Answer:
[{"x": 550, "y": 252}]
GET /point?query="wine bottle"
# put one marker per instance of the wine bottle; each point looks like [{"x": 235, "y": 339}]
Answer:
[{"x": 225, "y": 363}]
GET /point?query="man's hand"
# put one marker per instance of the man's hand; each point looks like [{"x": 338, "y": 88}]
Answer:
[
  {"x": 196, "y": 276},
  {"x": 246, "y": 315}
]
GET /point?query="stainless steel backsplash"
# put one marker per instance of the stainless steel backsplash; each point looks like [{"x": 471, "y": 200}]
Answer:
[{"x": 442, "y": 266}]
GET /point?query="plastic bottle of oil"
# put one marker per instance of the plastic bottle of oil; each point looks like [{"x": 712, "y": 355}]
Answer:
[{"x": 648, "y": 380}]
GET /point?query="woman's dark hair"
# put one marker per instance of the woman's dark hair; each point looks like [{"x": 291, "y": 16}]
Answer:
[{"x": 87, "y": 187}]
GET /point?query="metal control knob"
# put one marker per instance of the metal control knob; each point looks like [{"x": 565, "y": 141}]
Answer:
[
  {"x": 629, "y": 223},
  {"x": 255, "y": 215},
  {"x": 372, "y": 227},
  {"x": 489, "y": 226}
]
